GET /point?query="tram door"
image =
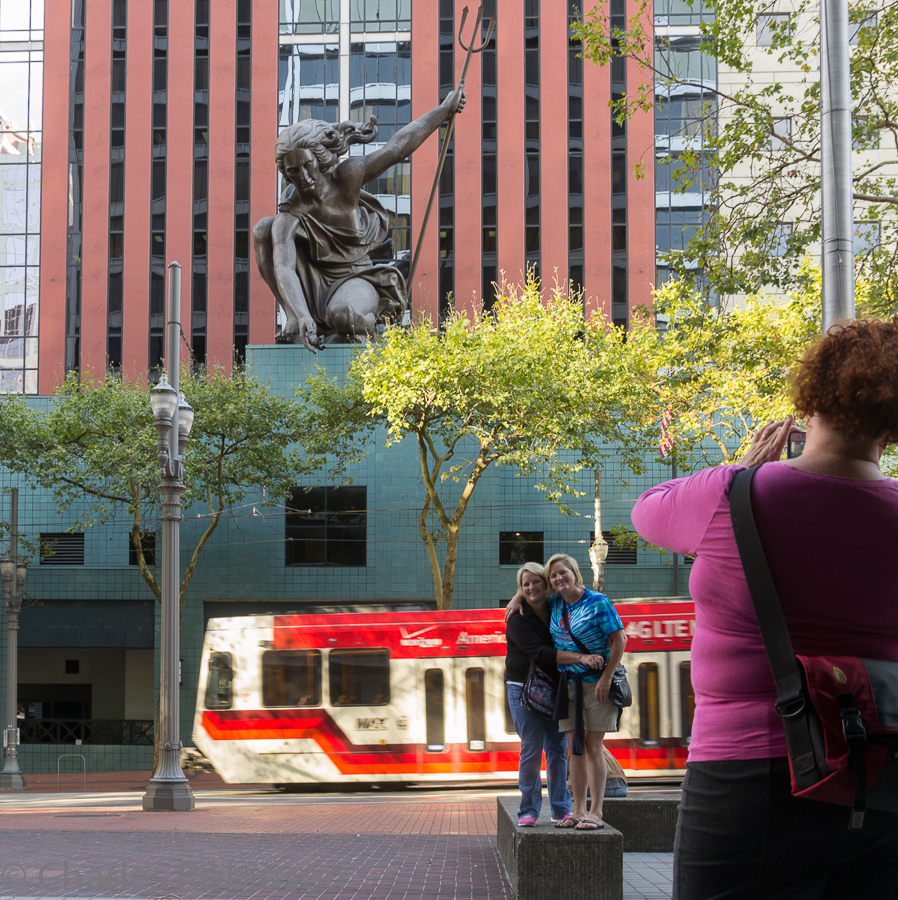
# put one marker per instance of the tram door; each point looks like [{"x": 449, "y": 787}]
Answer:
[
  {"x": 438, "y": 677},
  {"x": 652, "y": 721},
  {"x": 682, "y": 705}
]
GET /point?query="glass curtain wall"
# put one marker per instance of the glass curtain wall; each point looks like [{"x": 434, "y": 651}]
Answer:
[
  {"x": 447, "y": 177},
  {"x": 115, "y": 287},
  {"x": 160, "y": 156},
  {"x": 348, "y": 60},
  {"x": 685, "y": 110},
  {"x": 489, "y": 171},
  {"x": 242, "y": 144},
  {"x": 619, "y": 164},
  {"x": 575, "y": 154},
  {"x": 200, "y": 268},
  {"x": 76, "y": 190},
  {"x": 21, "y": 95}
]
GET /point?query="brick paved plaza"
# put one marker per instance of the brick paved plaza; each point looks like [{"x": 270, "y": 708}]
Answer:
[{"x": 248, "y": 843}]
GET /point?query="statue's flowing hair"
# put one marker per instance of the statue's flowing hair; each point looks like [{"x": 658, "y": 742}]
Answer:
[{"x": 326, "y": 141}]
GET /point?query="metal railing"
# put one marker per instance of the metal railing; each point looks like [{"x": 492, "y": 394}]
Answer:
[{"x": 123, "y": 732}]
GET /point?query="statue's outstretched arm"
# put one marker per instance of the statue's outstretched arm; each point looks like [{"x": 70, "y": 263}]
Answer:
[{"x": 404, "y": 142}]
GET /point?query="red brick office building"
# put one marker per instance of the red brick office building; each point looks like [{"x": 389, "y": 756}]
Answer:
[{"x": 155, "y": 143}]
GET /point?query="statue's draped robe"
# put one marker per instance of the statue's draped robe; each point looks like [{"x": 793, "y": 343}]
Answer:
[{"x": 329, "y": 255}]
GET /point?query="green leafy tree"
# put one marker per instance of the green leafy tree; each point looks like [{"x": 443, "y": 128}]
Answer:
[
  {"x": 531, "y": 386},
  {"x": 722, "y": 373},
  {"x": 749, "y": 135},
  {"x": 95, "y": 449}
]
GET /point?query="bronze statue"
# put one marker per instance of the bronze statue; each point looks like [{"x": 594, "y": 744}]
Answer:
[{"x": 315, "y": 254}]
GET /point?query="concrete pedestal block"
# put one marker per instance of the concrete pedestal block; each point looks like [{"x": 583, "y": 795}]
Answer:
[
  {"x": 648, "y": 823},
  {"x": 548, "y": 863}
]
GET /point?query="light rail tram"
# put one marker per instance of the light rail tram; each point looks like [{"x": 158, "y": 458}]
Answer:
[{"x": 413, "y": 697}]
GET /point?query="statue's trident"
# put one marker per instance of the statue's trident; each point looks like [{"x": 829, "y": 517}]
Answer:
[{"x": 469, "y": 50}]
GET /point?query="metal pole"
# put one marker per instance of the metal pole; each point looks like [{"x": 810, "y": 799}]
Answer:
[
  {"x": 837, "y": 254},
  {"x": 598, "y": 552},
  {"x": 168, "y": 788},
  {"x": 11, "y": 778}
]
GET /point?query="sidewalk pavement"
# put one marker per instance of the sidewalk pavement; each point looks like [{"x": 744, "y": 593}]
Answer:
[{"x": 247, "y": 842}]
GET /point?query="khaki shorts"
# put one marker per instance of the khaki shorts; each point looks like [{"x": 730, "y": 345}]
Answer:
[{"x": 597, "y": 716}]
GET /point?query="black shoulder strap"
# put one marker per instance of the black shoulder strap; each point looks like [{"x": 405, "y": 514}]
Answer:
[
  {"x": 766, "y": 601},
  {"x": 570, "y": 631}
]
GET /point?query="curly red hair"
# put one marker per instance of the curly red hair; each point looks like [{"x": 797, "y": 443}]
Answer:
[{"x": 850, "y": 377}]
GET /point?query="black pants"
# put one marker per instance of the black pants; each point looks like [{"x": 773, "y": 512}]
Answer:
[{"x": 741, "y": 835}]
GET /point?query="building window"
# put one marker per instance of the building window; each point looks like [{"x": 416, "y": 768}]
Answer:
[
  {"x": 773, "y": 30},
  {"x": 381, "y": 15},
  {"x": 855, "y": 27},
  {"x": 380, "y": 85},
  {"x": 649, "y": 704},
  {"x": 780, "y": 239},
  {"x": 309, "y": 16},
  {"x": 782, "y": 132},
  {"x": 518, "y": 547},
  {"x": 866, "y": 236},
  {"x": 308, "y": 83},
  {"x": 62, "y": 548},
  {"x": 21, "y": 138},
  {"x": 327, "y": 526},
  {"x": 434, "y": 711},
  {"x": 475, "y": 708},
  {"x": 291, "y": 678},
  {"x": 687, "y": 702},
  {"x": 359, "y": 677},
  {"x": 682, "y": 12},
  {"x": 675, "y": 227},
  {"x": 219, "y": 682},
  {"x": 148, "y": 543},
  {"x": 674, "y": 175}
]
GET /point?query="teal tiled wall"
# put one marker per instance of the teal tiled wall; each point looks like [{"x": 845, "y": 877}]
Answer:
[{"x": 243, "y": 562}]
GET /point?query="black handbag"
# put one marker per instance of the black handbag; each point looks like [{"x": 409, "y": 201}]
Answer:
[
  {"x": 538, "y": 693},
  {"x": 839, "y": 713},
  {"x": 619, "y": 693}
]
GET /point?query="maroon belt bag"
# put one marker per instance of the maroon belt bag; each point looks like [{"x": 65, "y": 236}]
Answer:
[{"x": 839, "y": 713}]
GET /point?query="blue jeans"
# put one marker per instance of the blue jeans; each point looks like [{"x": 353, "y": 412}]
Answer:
[{"x": 538, "y": 734}]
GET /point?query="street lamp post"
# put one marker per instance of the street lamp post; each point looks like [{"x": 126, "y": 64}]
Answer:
[
  {"x": 13, "y": 572},
  {"x": 168, "y": 788}
]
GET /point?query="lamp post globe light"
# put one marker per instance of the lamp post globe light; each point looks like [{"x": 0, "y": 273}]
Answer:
[
  {"x": 173, "y": 416},
  {"x": 13, "y": 571}
]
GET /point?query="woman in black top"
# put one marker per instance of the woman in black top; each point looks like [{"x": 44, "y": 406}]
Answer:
[{"x": 529, "y": 641}]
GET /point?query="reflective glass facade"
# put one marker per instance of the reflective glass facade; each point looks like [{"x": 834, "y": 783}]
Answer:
[
  {"x": 372, "y": 61},
  {"x": 21, "y": 97},
  {"x": 685, "y": 111}
]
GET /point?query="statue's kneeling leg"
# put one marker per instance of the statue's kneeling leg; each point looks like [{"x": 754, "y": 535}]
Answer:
[{"x": 352, "y": 310}]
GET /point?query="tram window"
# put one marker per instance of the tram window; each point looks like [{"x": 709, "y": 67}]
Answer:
[
  {"x": 219, "y": 682},
  {"x": 649, "y": 704},
  {"x": 291, "y": 678},
  {"x": 359, "y": 677},
  {"x": 687, "y": 701},
  {"x": 475, "y": 707},
  {"x": 434, "y": 710}
]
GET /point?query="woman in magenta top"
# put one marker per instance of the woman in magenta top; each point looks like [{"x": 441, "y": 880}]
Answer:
[{"x": 828, "y": 520}]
